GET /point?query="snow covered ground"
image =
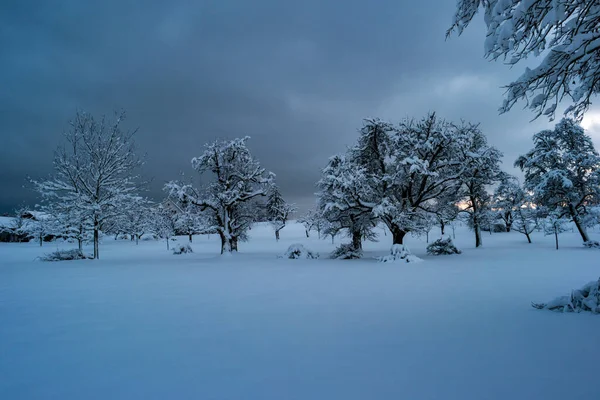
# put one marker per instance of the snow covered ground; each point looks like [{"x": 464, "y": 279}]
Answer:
[{"x": 142, "y": 323}]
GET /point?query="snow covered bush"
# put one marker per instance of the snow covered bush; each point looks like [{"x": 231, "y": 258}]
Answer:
[
  {"x": 585, "y": 299},
  {"x": 592, "y": 244},
  {"x": 181, "y": 248},
  {"x": 296, "y": 251},
  {"x": 346, "y": 252},
  {"x": 442, "y": 246},
  {"x": 64, "y": 255},
  {"x": 400, "y": 253}
]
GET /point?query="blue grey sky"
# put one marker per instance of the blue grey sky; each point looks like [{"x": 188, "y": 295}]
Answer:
[{"x": 298, "y": 77}]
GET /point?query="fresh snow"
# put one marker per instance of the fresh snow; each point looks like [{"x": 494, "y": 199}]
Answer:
[{"x": 141, "y": 323}]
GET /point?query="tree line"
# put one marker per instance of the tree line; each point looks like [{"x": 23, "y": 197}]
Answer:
[{"x": 409, "y": 176}]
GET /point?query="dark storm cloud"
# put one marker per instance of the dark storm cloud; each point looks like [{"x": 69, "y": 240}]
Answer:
[{"x": 298, "y": 77}]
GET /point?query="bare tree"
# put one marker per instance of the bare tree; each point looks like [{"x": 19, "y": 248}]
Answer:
[{"x": 94, "y": 171}]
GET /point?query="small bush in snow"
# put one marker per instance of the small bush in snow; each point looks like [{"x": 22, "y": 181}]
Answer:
[
  {"x": 400, "y": 253},
  {"x": 346, "y": 252},
  {"x": 592, "y": 244},
  {"x": 442, "y": 246},
  {"x": 180, "y": 248},
  {"x": 296, "y": 251},
  {"x": 64, "y": 255},
  {"x": 585, "y": 299}
]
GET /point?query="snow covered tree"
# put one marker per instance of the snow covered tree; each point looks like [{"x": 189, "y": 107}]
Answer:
[
  {"x": 342, "y": 189},
  {"x": 135, "y": 218},
  {"x": 189, "y": 221},
  {"x": 227, "y": 199},
  {"x": 94, "y": 171},
  {"x": 481, "y": 168},
  {"x": 408, "y": 167},
  {"x": 507, "y": 197},
  {"x": 38, "y": 227},
  {"x": 311, "y": 220},
  {"x": 162, "y": 222},
  {"x": 446, "y": 210},
  {"x": 563, "y": 172},
  {"x": 278, "y": 211},
  {"x": 515, "y": 206},
  {"x": 526, "y": 217},
  {"x": 565, "y": 30},
  {"x": 555, "y": 224}
]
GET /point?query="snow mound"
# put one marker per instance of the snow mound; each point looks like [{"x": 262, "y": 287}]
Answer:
[
  {"x": 442, "y": 246},
  {"x": 182, "y": 249},
  {"x": 64, "y": 255},
  {"x": 297, "y": 251},
  {"x": 585, "y": 299},
  {"x": 346, "y": 252},
  {"x": 400, "y": 253},
  {"x": 592, "y": 244}
]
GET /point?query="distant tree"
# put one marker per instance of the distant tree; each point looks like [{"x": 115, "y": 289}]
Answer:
[
  {"x": 565, "y": 30},
  {"x": 446, "y": 210},
  {"x": 515, "y": 206},
  {"x": 278, "y": 211},
  {"x": 189, "y": 220},
  {"x": 135, "y": 218},
  {"x": 310, "y": 221},
  {"x": 481, "y": 168},
  {"x": 238, "y": 178},
  {"x": 94, "y": 171},
  {"x": 38, "y": 227},
  {"x": 563, "y": 172},
  {"x": 555, "y": 224},
  {"x": 163, "y": 223},
  {"x": 507, "y": 198}
]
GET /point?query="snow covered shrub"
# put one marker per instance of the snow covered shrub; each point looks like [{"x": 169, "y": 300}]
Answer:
[
  {"x": 346, "y": 252},
  {"x": 585, "y": 299},
  {"x": 592, "y": 244},
  {"x": 296, "y": 251},
  {"x": 181, "y": 248},
  {"x": 400, "y": 253},
  {"x": 442, "y": 246},
  {"x": 64, "y": 255}
]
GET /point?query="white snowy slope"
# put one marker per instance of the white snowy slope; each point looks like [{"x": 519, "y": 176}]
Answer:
[{"x": 142, "y": 323}]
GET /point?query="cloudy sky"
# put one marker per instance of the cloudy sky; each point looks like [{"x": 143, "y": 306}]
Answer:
[{"x": 298, "y": 77}]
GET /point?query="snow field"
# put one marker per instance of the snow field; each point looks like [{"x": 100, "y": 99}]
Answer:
[{"x": 143, "y": 323}]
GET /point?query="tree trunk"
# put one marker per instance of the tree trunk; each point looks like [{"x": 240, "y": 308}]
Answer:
[
  {"x": 427, "y": 236},
  {"x": 41, "y": 240},
  {"x": 137, "y": 239},
  {"x": 167, "y": 243},
  {"x": 277, "y": 235},
  {"x": 234, "y": 243},
  {"x": 190, "y": 237},
  {"x": 580, "y": 227},
  {"x": 397, "y": 235},
  {"x": 307, "y": 234},
  {"x": 80, "y": 245},
  {"x": 442, "y": 227},
  {"x": 224, "y": 243},
  {"x": 528, "y": 237},
  {"x": 477, "y": 235},
  {"x": 556, "y": 237},
  {"x": 96, "y": 242},
  {"x": 356, "y": 240}
]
